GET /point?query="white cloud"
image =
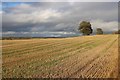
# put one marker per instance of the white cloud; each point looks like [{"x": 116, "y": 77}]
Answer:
[
  {"x": 1, "y": 12},
  {"x": 34, "y": 17},
  {"x": 52, "y": 35},
  {"x": 106, "y": 26},
  {"x": 45, "y": 15},
  {"x": 9, "y": 32},
  {"x": 59, "y": 18},
  {"x": 46, "y": 32}
]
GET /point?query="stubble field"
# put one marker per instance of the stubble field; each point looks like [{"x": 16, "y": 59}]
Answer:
[{"x": 77, "y": 57}]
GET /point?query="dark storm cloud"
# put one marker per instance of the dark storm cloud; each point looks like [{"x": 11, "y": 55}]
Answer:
[{"x": 59, "y": 17}]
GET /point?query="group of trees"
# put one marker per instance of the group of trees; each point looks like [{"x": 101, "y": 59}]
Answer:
[
  {"x": 86, "y": 29},
  {"x": 117, "y": 32}
]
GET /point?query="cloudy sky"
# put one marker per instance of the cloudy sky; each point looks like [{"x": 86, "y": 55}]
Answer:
[{"x": 56, "y": 19}]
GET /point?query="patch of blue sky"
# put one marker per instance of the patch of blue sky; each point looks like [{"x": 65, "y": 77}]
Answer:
[
  {"x": 60, "y": 0},
  {"x": 0, "y": 6},
  {"x": 6, "y": 5},
  {"x": 12, "y": 4}
]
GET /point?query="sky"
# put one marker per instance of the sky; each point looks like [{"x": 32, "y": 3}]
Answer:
[
  {"x": 56, "y": 19},
  {"x": 60, "y": 0}
]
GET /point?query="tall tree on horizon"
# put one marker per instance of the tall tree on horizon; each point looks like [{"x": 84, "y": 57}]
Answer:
[
  {"x": 85, "y": 28},
  {"x": 99, "y": 31}
]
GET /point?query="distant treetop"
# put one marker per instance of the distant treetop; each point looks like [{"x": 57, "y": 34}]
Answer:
[
  {"x": 99, "y": 31},
  {"x": 85, "y": 28}
]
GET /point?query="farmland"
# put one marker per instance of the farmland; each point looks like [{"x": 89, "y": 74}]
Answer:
[{"x": 75, "y": 57}]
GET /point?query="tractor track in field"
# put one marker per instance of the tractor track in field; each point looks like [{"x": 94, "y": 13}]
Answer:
[
  {"x": 82, "y": 68},
  {"x": 79, "y": 57},
  {"x": 74, "y": 64},
  {"x": 91, "y": 61}
]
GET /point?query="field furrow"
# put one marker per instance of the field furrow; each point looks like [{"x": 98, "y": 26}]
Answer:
[{"x": 77, "y": 57}]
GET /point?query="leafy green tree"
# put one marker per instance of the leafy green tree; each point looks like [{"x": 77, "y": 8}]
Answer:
[
  {"x": 85, "y": 28},
  {"x": 117, "y": 32},
  {"x": 99, "y": 31}
]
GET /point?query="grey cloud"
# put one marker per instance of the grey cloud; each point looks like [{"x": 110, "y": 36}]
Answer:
[{"x": 57, "y": 17}]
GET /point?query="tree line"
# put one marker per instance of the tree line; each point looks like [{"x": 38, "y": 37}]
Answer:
[{"x": 86, "y": 29}]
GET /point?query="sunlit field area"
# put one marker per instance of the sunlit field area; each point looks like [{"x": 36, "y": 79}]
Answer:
[{"x": 76, "y": 57}]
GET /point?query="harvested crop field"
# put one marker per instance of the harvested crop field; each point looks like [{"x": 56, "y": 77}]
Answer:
[{"x": 76, "y": 57}]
